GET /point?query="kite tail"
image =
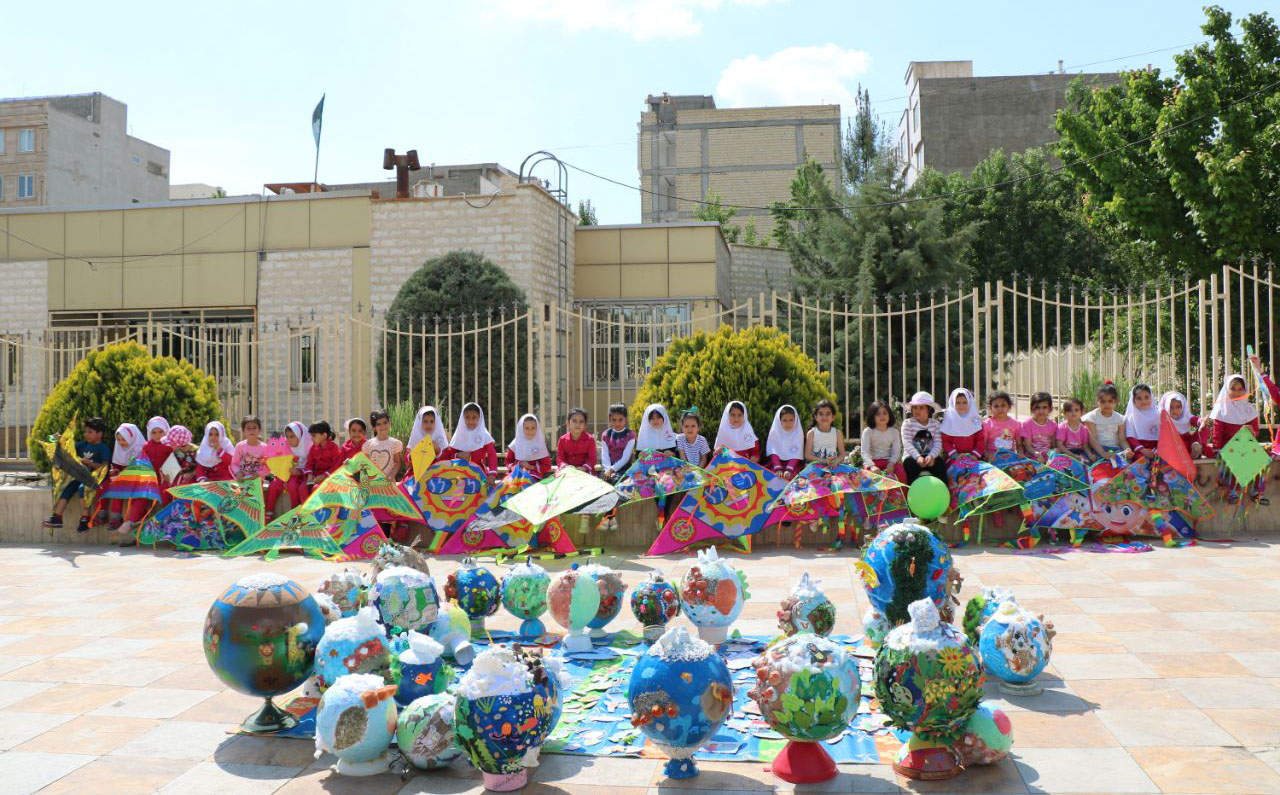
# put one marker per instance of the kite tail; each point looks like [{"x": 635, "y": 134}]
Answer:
[
  {"x": 797, "y": 533},
  {"x": 437, "y": 541},
  {"x": 746, "y": 544}
]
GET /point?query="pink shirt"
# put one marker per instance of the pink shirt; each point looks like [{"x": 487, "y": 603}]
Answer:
[
  {"x": 1001, "y": 434},
  {"x": 1040, "y": 436},
  {"x": 249, "y": 460},
  {"x": 1077, "y": 439}
]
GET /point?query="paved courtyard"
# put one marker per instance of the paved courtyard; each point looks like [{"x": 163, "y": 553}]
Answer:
[{"x": 1165, "y": 678}]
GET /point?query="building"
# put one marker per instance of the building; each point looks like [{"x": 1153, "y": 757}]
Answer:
[
  {"x": 471, "y": 179},
  {"x": 953, "y": 120},
  {"x": 687, "y": 147},
  {"x": 75, "y": 151},
  {"x": 195, "y": 190}
]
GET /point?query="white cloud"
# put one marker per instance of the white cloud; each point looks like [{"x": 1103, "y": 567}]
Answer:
[
  {"x": 640, "y": 19},
  {"x": 793, "y": 76}
]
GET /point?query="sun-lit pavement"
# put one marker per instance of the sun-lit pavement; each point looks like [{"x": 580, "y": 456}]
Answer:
[{"x": 1165, "y": 678}]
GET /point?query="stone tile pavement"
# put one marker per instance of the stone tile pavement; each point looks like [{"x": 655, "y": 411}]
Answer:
[{"x": 1165, "y": 678}]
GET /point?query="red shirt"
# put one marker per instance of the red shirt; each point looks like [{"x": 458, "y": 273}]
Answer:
[
  {"x": 157, "y": 453},
  {"x": 539, "y": 468},
  {"x": 486, "y": 457},
  {"x": 752, "y": 453},
  {"x": 1223, "y": 431},
  {"x": 323, "y": 459},
  {"x": 580, "y": 452},
  {"x": 220, "y": 472},
  {"x": 350, "y": 448},
  {"x": 955, "y": 445}
]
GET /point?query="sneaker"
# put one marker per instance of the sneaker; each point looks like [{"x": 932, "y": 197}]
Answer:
[
  {"x": 54, "y": 521},
  {"x": 83, "y": 526}
]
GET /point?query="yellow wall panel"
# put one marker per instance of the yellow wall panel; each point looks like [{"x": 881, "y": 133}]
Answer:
[
  {"x": 287, "y": 224},
  {"x": 57, "y": 297},
  {"x": 4, "y": 235},
  {"x": 339, "y": 222},
  {"x": 250, "y": 270},
  {"x": 254, "y": 212},
  {"x": 36, "y": 236},
  {"x": 153, "y": 231},
  {"x": 214, "y": 279},
  {"x": 692, "y": 280},
  {"x": 644, "y": 281},
  {"x": 597, "y": 281},
  {"x": 644, "y": 245},
  {"x": 153, "y": 282},
  {"x": 597, "y": 246},
  {"x": 97, "y": 287},
  {"x": 692, "y": 244},
  {"x": 213, "y": 227},
  {"x": 98, "y": 234}
]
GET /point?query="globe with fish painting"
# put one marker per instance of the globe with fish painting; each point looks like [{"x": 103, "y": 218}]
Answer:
[
  {"x": 680, "y": 693},
  {"x": 903, "y": 563}
]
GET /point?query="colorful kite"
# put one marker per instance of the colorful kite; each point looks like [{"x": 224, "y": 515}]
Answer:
[
  {"x": 568, "y": 491},
  {"x": 422, "y": 456},
  {"x": 1171, "y": 501},
  {"x": 181, "y": 525},
  {"x": 358, "y": 485},
  {"x": 496, "y": 527},
  {"x": 734, "y": 503},
  {"x": 978, "y": 487},
  {"x": 297, "y": 529},
  {"x": 448, "y": 493},
  {"x": 239, "y": 502},
  {"x": 656, "y": 474},
  {"x": 67, "y": 466},
  {"x": 1244, "y": 459},
  {"x": 137, "y": 481},
  {"x": 1038, "y": 481},
  {"x": 279, "y": 458}
]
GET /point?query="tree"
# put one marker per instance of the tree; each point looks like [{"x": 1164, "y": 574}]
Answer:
[
  {"x": 760, "y": 366},
  {"x": 459, "y": 290},
  {"x": 1186, "y": 166},
  {"x": 587, "y": 213},
  {"x": 868, "y": 152},
  {"x": 713, "y": 209},
  {"x": 124, "y": 383}
]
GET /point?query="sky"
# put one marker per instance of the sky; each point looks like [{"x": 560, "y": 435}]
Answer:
[{"x": 229, "y": 87}]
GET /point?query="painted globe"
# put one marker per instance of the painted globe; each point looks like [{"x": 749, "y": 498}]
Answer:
[
  {"x": 712, "y": 592},
  {"x": 904, "y": 562},
  {"x": 680, "y": 693},
  {"x": 506, "y": 706},
  {"x": 611, "y": 587},
  {"x": 927, "y": 677},
  {"x": 424, "y": 732},
  {"x": 654, "y": 602},
  {"x": 406, "y": 599},
  {"x": 1015, "y": 644},
  {"x": 981, "y": 607},
  {"x": 524, "y": 592},
  {"x": 347, "y": 589},
  {"x": 260, "y": 635},
  {"x": 474, "y": 589},
  {"x": 987, "y": 738},
  {"x": 356, "y": 645},
  {"x": 806, "y": 609},
  {"x": 355, "y": 721},
  {"x": 807, "y": 687},
  {"x": 875, "y": 626}
]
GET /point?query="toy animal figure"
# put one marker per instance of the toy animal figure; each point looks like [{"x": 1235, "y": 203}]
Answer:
[{"x": 951, "y": 600}]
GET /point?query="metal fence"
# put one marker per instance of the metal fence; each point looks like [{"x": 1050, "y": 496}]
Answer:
[{"x": 547, "y": 358}]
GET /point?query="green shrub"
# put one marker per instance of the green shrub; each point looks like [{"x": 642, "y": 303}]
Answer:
[
  {"x": 759, "y": 366},
  {"x": 1084, "y": 387},
  {"x": 401, "y": 415},
  {"x": 124, "y": 383}
]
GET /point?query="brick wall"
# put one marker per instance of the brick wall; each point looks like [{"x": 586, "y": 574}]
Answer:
[{"x": 757, "y": 269}]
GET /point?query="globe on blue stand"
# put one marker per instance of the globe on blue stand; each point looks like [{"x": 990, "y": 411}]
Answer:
[
  {"x": 524, "y": 594},
  {"x": 421, "y": 669}
]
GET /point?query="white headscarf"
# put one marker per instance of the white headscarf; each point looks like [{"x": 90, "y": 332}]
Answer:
[
  {"x": 206, "y": 456},
  {"x": 157, "y": 422},
  {"x": 304, "y": 442},
  {"x": 437, "y": 435},
  {"x": 1183, "y": 424},
  {"x": 1142, "y": 424},
  {"x": 650, "y": 438},
  {"x": 786, "y": 445},
  {"x": 1234, "y": 412},
  {"x": 956, "y": 424},
  {"x": 735, "y": 438},
  {"x": 121, "y": 456},
  {"x": 466, "y": 440},
  {"x": 526, "y": 449}
]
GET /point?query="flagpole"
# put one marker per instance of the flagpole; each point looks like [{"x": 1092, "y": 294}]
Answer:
[{"x": 317, "y": 121}]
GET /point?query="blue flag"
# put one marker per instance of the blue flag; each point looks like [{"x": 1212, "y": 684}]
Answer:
[{"x": 317, "y": 119}]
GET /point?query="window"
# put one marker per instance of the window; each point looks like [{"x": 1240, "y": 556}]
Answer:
[
  {"x": 2, "y": 135},
  {"x": 666, "y": 149},
  {"x": 304, "y": 364},
  {"x": 623, "y": 341},
  {"x": 1, "y": 187},
  {"x": 26, "y": 140},
  {"x": 10, "y": 360},
  {"x": 665, "y": 199},
  {"x": 915, "y": 118},
  {"x": 26, "y": 186}
]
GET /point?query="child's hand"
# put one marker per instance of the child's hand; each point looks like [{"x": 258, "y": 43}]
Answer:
[{"x": 1257, "y": 364}]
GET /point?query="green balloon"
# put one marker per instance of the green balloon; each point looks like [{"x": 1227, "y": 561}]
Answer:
[{"x": 928, "y": 498}]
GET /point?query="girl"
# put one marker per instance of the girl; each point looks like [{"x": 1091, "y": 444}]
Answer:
[
  {"x": 1232, "y": 409},
  {"x": 784, "y": 447},
  {"x": 128, "y": 447},
  {"x": 656, "y": 432},
  {"x": 385, "y": 452},
  {"x": 881, "y": 442},
  {"x": 324, "y": 457},
  {"x": 248, "y": 460},
  {"x": 922, "y": 439},
  {"x": 184, "y": 452},
  {"x": 426, "y": 424},
  {"x": 1072, "y": 436},
  {"x": 1175, "y": 405},
  {"x": 736, "y": 433},
  {"x": 1105, "y": 423},
  {"x": 356, "y": 432},
  {"x": 999, "y": 429},
  {"x": 472, "y": 441},
  {"x": 824, "y": 442},
  {"x": 617, "y": 444},
  {"x": 157, "y": 452},
  {"x": 1142, "y": 421},
  {"x": 961, "y": 426},
  {"x": 528, "y": 448},
  {"x": 576, "y": 448},
  {"x": 299, "y": 441},
  {"x": 1039, "y": 433},
  {"x": 213, "y": 457},
  {"x": 691, "y": 445}
]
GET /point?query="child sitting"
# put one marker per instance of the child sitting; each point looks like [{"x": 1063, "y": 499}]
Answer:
[
  {"x": 881, "y": 442},
  {"x": 325, "y": 455},
  {"x": 1038, "y": 433},
  {"x": 528, "y": 448},
  {"x": 1142, "y": 421},
  {"x": 962, "y": 431},
  {"x": 356, "y": 432},
  {"x": 472, "y": 441},
  {"x": 617, "y": 444},
  {"x": 94, "y": 454},
  {"x": 784, "y": 447},
  {"x": 690, "y": 444},
  {"x": 213, "y": 458},
  {"x": 1072, "y": 436},
  {"x": 922, "y": 439},
  {"x": 385, "y": 451},
  {"x": 656, "y": 432},
  {"x": 576, "y": 448},
  {"x": 1105, "y": 424},
  {"x": 736, "y": 433},
  {"x": 1188, "y": 425},
  {"x": 999, "y": 429}
]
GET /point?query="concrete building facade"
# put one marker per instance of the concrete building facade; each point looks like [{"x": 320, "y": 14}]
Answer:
[
  {"x": 75, "y": 151},
  {"x": 687, "y": 147},
  {"x": 953, "y": 120}
]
